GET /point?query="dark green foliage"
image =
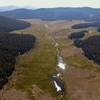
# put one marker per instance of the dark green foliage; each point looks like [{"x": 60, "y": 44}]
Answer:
[
  {"x": 8, "y": 24},
  {"x": 77, "y": 35},
  {"x": 98, "y": 29},
  {"x": 91, "y": 47},
  {"x": 86, "y": 25},
  {"x": 11, "y": 45}
]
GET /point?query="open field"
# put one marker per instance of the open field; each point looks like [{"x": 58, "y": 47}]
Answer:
[
  {"x": 36, "y": 66},
  {"x": 33, "y": 69}
]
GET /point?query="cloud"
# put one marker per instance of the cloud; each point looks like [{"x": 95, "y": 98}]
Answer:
[{"x": 51, "y": 3}]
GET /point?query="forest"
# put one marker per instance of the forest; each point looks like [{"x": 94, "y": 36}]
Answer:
[{"x": 12, "y": 45}]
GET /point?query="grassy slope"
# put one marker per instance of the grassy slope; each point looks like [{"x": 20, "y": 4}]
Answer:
[
  {"x": 74, "y": 58},
  {"x": 39, "y": 64},
  {"x": 82, "y": 61},
  {"x": 36, "y": 66}
]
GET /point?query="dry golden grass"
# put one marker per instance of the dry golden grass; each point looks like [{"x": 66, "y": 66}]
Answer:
[{"x": 36, "y": 66}]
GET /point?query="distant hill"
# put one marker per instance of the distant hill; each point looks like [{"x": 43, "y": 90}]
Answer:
[
  {"x": 84, "y": 13},
  {"x": 8, "y": 8},
  {"x": 9, "y": 24}
]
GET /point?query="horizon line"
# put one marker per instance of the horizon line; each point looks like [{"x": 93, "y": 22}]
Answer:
[{"x": 50, "y": 7}]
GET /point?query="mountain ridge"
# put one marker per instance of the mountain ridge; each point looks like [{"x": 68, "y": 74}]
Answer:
[{"x": 60, "y": 13}]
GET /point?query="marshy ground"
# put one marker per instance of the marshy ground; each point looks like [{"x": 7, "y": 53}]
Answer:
[{"x": 32, "y": 69}]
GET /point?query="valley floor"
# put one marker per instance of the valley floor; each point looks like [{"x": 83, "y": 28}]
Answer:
[{"x": 30, "y": 81}]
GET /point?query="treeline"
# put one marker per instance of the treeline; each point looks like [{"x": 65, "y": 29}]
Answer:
[
  {"x": 10, "y": 24},
  {"x": 91, "y": 47},
  {"x": 77, "y": 35},
  {"x": 86, "y": 25},
  {"x": 12, "y": 45},
  {"x": 98, "y": 29}
]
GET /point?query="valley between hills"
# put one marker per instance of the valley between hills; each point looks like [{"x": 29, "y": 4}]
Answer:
[{"x": 30, "y": 79}]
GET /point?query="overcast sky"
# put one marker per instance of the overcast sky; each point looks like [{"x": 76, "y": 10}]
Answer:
[{"x": 51, "y": 3}]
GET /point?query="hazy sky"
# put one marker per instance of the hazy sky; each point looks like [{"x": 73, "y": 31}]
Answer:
[{"x": 51, "y": 3}]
